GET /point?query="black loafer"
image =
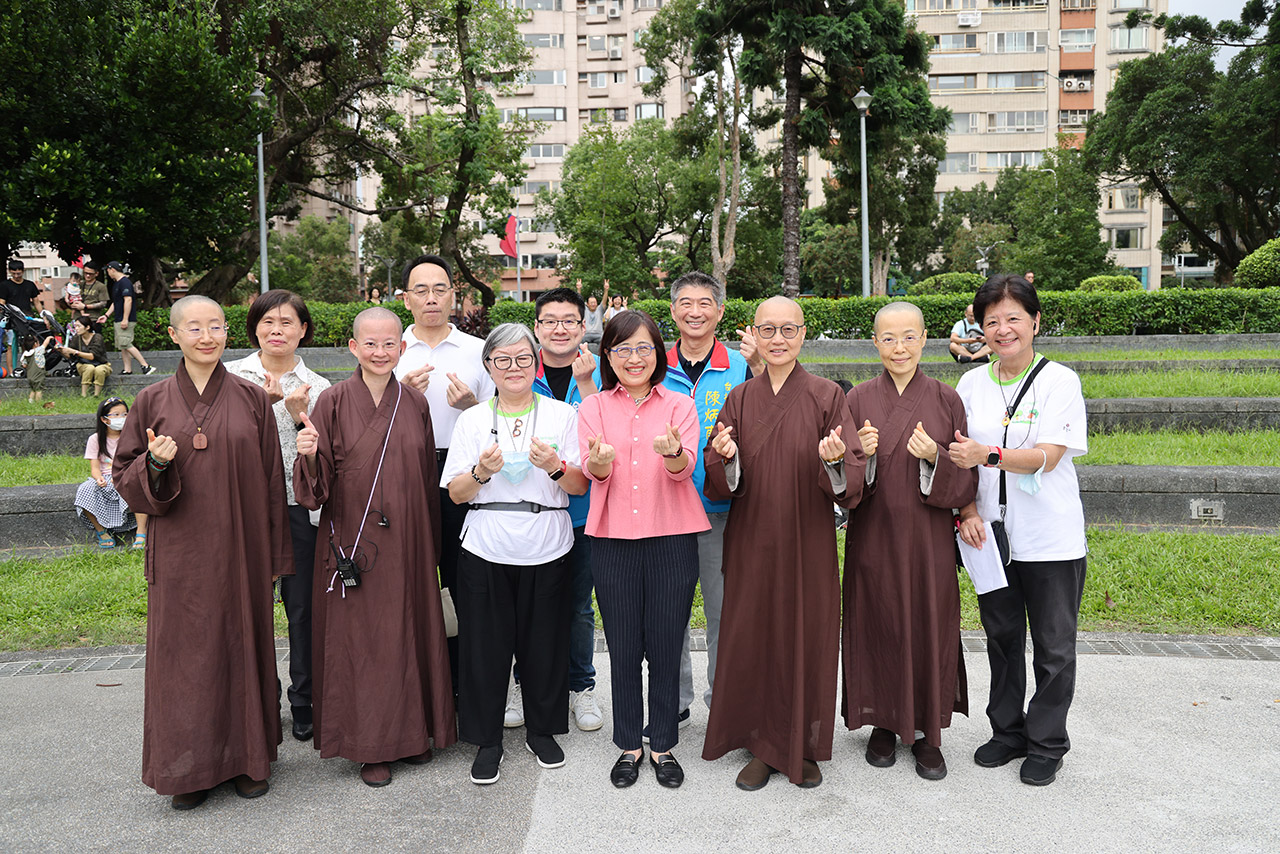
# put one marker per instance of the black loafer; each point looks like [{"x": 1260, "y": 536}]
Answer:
[
  {"x": 626, "y": 770},
  {"x": 882, "y": 748},
  {"x": 190, "y": 800},
  {"x": 994, "y": 753},
  {"x": 247, "y": 787},
  {"x": 667, "y": 770},
  {"x": 1040, "y": 770},
  {"x": 302, "y": 723}
]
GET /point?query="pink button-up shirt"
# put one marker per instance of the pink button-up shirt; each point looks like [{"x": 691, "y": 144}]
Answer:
[{"x": 640, "y": 498}]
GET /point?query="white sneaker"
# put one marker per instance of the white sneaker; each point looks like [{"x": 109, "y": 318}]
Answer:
[
  {"x": 514, "y": 716},
  {"x": 585, "y": 710}
]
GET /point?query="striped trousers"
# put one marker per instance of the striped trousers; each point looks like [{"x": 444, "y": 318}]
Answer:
[{"x": 645, "y": 592}]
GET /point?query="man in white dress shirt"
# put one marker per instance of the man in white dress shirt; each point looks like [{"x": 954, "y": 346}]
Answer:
[{"x": 444, "y": 363}]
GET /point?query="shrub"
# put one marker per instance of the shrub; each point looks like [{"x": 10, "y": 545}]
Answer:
[
  {"x": 947, "y": 283},
  {"x": 1261, "y": 267},
  {"x": 1111, "y": 283}
]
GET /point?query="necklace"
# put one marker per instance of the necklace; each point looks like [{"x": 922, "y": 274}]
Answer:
[
  {"x": 200, "y": 440},
  {"x": 516, "y": 426},
  {"x": 639, "y": 400},
  {"x": 1008, "y": 408}
]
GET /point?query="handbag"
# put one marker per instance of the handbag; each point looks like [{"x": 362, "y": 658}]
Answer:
[{"x": 998, "y": 531}]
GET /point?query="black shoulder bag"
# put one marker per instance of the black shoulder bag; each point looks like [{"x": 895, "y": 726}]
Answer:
[{"x": 997, "y": 525}]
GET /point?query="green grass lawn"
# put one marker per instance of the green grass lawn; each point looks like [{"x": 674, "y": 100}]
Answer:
[
  {"x": 1157, "y": 582},
  {"x": 1101, "y": 355},
  {"x": 1184, "y": 448},
  {"x": 42, "y": 468},
  {"x": 63, "y": 404}
]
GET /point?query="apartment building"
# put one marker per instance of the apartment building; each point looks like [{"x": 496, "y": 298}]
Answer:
[{"x": 1016, "y": 74}]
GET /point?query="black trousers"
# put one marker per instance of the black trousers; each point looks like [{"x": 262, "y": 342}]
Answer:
[
  {"x": 645, "y": 592},
  {"x": 295, "y": 590},
  {"x": 452, "y": 517},
  {"x": 1047, "y": 595},
  {"x": 506, "y": 610}
]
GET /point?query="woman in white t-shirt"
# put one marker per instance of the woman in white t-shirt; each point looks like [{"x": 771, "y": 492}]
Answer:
[
  {"x": 97, "y": 503},
  {"x": 1031, "y": 445},
  {"x": 514, "y": 459}
]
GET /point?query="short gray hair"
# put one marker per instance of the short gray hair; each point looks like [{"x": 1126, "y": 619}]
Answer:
[
  {"x": 506, "y": 334},
  {"x": 698, "y": 279}
]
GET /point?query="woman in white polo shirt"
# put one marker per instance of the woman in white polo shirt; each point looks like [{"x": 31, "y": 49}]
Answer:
[
  {"x": 1026, "y": 425},
  {"x": 514, "y": 460}
]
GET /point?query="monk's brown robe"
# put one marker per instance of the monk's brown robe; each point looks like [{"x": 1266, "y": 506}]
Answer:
[
  {"x": 382, "y": 690},
  {"x": 218, "y": 533},
  {"x": 780, "y": 628},
  {"x": 903, "y": 667}
]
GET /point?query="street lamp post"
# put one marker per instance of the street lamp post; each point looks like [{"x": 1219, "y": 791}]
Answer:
[
  {"x": 260, "y": 98},
  {"x": 862, "y": 101},
  {"x": 389, "y": 261}
]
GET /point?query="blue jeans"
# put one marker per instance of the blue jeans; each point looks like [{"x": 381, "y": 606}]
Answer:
[{"x": 582, "y": 616}]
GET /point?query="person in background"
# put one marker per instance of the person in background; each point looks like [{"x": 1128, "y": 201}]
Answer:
[
  {"x": 967, "y": 343},
  {"x": 33, "y": 365},
  {"x": 124, "y": 308},
  {"x": 97, "y": 503},
  {"x": 375, "y": 297},
  {"x": 1030, "y": 447},
  {"x": 278, "y": 323},
  {"x": 94, "y": 291},
  {"x": 18, "y": 291},
  {"x": 636, "y": 439},
  {"x": 89, "y": 351},
  {"x": 619, "y": 304},
  {"x": 1030, "y": 277},
  {"x": 593, "y": 315}
]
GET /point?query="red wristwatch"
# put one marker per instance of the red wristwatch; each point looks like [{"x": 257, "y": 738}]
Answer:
[
  {"x": 994, "y": 457},
  {"x": 564, "y": 467}
]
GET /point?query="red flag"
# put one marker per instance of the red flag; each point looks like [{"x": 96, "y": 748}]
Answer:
[{"x": 508, "y": 243}]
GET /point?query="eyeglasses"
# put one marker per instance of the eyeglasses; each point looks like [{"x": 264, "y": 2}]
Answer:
[
  {"x": 644, "y": 351},
  {"x": 375, "y": 346},
  {"x": 438, "y": 290},
  {"x": 503, "y": 363},
  {"x": 788, "y": 330},
  {"x": 198, "y": 332},
  {"x": 569, "y": 325},
  {"x": 906, "y": 340}
]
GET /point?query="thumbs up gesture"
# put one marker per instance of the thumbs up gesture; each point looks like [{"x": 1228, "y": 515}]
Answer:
[
  {"x": 297, "y": 401},
  {"x": 966, "y": 453},
  {"x": 831, "y": 447},
  {"x": 599, "y": 454},
  {"x": 869, "y": 437},
  {"x": 308, "y": 437},
  {"x": 921, "y": 446},
  {"x": 162, "y": 448},
  {"x": 722, "y": 442},
  {"x": 668, "y": 442}
]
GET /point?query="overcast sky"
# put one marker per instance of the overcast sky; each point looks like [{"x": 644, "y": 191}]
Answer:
[{"x": 1215, "y": 11}]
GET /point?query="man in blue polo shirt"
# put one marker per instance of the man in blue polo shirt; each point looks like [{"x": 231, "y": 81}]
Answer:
[
  {"x": 567, "y": 371},
  {"x": 704, "y": 368}
]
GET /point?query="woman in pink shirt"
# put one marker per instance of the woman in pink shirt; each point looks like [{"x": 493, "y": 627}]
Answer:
[{"x": 637, "y": 440}]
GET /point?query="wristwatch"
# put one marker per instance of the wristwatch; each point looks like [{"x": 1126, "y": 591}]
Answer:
[
  {"x": 564, "y": 467},
  {"x": 994, "y": 456}
]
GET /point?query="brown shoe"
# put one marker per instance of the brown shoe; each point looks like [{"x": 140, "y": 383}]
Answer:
[
  {"x": 881, "y": 748},
  {"x": 812, "y": 776},
  {"x": 754, "y": 776},
  {"x": 420, "y": 759},
  {"x": 929, "y": 762},
  {"x": 376, "y": 774},
  {"x": 190, "y": 800},
  {"x": 247, "y": 787}
]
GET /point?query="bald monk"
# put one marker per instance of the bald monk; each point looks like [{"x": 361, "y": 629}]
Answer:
[
  {"x": 778, "y": 450},
  {"x": 201, "y": 457},
  {"x": 381, "y": 687},
  {"x": 903, "y": 666}
]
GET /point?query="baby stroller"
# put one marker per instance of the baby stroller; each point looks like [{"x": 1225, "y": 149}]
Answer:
[{"x": 41, "y": 327}]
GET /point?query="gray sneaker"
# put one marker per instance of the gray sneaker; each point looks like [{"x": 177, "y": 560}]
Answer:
[
  {"x": 514, "y": 715},
  {"x": 585, "y": 710}
]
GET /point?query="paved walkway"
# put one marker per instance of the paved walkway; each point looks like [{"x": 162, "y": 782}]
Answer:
[{"x": 1176, "y": 748}]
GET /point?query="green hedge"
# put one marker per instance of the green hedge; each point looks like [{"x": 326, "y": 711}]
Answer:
[
  {"x": 1261, "y": 267},
  {"x": 1111, "y": 283},
  {"x": 1169, "y": 311}
]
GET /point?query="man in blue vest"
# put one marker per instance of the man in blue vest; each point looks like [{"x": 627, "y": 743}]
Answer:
[
  {"x": 567, "y": 371},
  {"x": 704, "y": 368}
]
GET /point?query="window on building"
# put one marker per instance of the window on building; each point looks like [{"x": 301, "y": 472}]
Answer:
[
  {"x": 1130, "y": 4},
  {"x": 947, "y": 82},
  {"x": 535, "y": 5},
  {"x": 535, "y": 187},
  {"x": 644, "y": 74},
  {"x": 1031, "y": 41},
  {"x": 952, "y": 42},
  {"x": 1126, "y": 237},
  {"x": 529, "y": 226},
  {"x": 543, "y": 260},
  {"x": 647, "y": 4},
  {"x": 618, "y": 76},
  {"x": 596, "y": 115},
  {"x": 596, "y": 80},
  {"x": 544, "y": 39},
  {"x": 1074, "y": 118},
  {"x": 1072, "y": 5},
  {"x": 595, "y": 7},
  {"x": 1124, "y": 199},
  {"x": 963, "y": 123},
  {"x": 1005, "y": 159},
  {"x": 940, "y": 5},
  {"x": 1123, "y": 38},
  {"x": 637, "y": 34},
  {"x": 595, "y": 44},
  {"x": 550, "y": 77},
  {"x": 619, "y": 114},
  {"x": 1073, "y": 41},
  {"x": 1018, "y": 4},
  {"x": 1016, "y": 80},
  {"x": 540, "y": 114},
  {"x": 964, "y": 161},
  {"x": 648, "y": 111},
  {"x": 615, "y": 47},
  {"x": 545, "y": 149},
  {"x": 1016, "y": 121}
]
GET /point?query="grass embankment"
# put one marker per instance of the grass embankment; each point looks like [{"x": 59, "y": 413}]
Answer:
[
  {"x": 1157, "y": 582},
  {"x": 40, "y": 469}
]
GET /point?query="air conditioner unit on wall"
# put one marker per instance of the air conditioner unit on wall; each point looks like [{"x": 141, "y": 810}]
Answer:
[
  {"x": 1070, "y": 84},
  {"x": 615, "y": 53},
  {"x": 615, "y": 13},
  {"x": 1084, "y": 85},
  {"x": 969, "y": 19}
]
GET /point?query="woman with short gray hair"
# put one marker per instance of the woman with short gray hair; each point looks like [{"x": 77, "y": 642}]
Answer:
[{"x": 514, "y": 460}]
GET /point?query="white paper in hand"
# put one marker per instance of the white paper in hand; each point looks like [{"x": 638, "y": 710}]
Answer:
[{"x": 985, "y": 569}]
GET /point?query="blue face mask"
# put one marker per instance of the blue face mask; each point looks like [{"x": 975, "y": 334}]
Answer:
[
  {"x": 1030, "y": 483},
  {"x": 515, "y": 467}
]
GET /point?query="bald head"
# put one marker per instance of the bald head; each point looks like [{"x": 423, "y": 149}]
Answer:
[
  {"x": 376, "y": 315},
  {"x": 183, "y": 307},
  {"x": 910, "y": 312},
  {"x": 776, "y": 318}
]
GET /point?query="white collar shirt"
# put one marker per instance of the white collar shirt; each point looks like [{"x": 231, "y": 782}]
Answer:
[{"x": 459, "y": 353}]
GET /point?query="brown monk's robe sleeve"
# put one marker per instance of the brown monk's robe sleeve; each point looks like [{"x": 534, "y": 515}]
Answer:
[
  {"x": 953, "y": 487},
  {"x": 836, "y": 410},
  {"x": 129, "y": 472},
  {"x": 716, "y": 484},
  {"x": 312, "y": 491}
]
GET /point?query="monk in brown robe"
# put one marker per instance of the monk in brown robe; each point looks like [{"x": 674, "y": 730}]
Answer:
[
  {"x": 903, "y": 667},
  {"x": 778, "y": 451},
  {"x": 200, "y": 456},
  {"x": 381, "y": 686}
]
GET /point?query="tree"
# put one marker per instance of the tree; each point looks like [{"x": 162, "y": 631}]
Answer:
[
  {"x": 313, "y": 261},
  {"x": 832, "y": 256}
]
